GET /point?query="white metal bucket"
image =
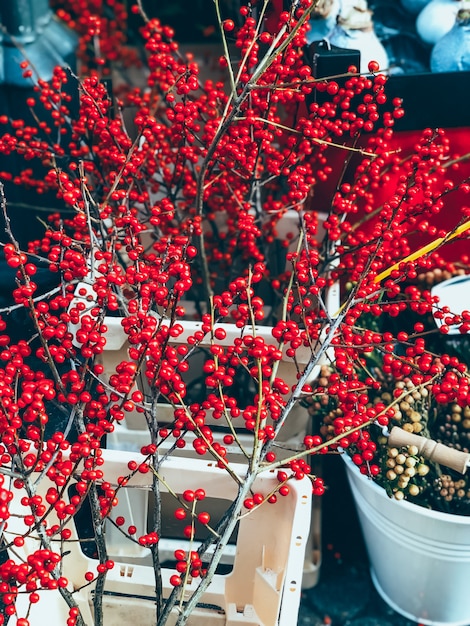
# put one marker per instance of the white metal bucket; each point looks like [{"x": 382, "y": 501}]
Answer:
[{"x": 420, "y": 559}]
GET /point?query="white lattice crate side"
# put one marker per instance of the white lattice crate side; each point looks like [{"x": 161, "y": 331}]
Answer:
[
  {"x": 262, "y": 548},
  {"x": 133, "y": 504},
  {"x": 132, "y": 433},
  {"x": 116, "y": 351},
  {"x": 116, "y": 336}
]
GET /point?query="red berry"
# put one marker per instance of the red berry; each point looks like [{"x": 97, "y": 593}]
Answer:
[
  {"x": 189, "y": 495},
  {"x": 204, "y": 517},
  {"x": 180, "y": 513},
  {"x": 200, "y": 494}
]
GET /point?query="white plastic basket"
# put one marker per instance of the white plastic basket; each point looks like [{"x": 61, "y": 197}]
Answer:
[
  {"x": 116, "y": 351},
  {"x": 263, "y": 588},
  {"x": 132, "y": 433}
]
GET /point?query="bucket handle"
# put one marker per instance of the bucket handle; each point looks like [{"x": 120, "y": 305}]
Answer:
[{"x": 430, "y": 449}]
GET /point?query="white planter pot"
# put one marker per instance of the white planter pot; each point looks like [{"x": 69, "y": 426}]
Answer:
[
  {"x": 452, "y": 293},
  {"x": 420, "y": 559}
]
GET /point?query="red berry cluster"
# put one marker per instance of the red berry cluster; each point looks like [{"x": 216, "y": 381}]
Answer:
[{"x": 177, "y": 196}]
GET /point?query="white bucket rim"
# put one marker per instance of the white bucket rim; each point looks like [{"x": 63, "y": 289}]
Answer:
[{"x": 464, "y": 520}]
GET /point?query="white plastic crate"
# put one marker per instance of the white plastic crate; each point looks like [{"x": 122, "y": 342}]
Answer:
[
  {"x": 132, "y": 433},
  {"x": 263, "y": 588},
  {"x": 116, "y": 351}
]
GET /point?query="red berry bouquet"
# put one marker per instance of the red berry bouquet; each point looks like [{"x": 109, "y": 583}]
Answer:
[
  {"x": 178, "y": 309},
  {"x": 429, "y": 406},
  {"x": 404, "y": 360}
]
